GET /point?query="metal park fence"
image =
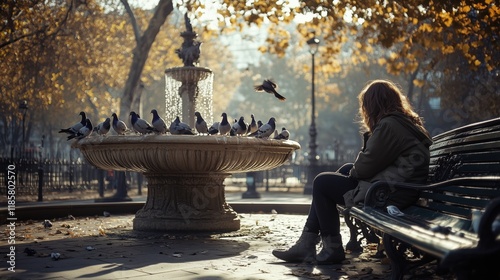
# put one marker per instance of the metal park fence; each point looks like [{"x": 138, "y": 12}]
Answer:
[{"x": 34, "y": 177}]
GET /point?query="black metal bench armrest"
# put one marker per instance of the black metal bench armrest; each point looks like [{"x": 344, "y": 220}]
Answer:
[
  {"x": 378, "y": 193},
  {"x": 487, "y": 234}
]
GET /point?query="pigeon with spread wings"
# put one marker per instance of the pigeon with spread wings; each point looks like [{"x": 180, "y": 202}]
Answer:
[{"x": 270, "y": 87}]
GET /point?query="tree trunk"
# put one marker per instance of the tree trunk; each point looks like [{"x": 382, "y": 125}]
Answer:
[{"x": 141, "y": 52}]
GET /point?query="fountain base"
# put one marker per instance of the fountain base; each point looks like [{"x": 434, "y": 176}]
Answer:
[{"x": 186, "y": 202}]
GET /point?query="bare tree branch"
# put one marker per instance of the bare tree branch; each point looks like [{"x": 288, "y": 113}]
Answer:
[
  {"x": 133, "y": 21},
  {"x": 141, "y": 52}
]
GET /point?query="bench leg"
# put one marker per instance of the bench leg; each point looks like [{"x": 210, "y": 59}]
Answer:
[
  {"x": 402, "y": 256},
  {"x": 353, "y": 245},
  {"x": 358, "y": 228}
]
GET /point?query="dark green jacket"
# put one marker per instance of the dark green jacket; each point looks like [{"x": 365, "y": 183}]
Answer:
[{"x": 397, "y": 151}]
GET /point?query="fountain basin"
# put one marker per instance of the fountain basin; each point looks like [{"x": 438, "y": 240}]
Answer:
[{"x": 186, "y": 174}]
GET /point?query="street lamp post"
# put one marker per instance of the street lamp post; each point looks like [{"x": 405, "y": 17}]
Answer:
[
  {"x": 24, "y": 107},
  {"x": 313, "y": 156}
]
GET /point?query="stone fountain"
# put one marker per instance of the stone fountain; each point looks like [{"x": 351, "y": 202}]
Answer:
[{"x": 186, "y": 173}]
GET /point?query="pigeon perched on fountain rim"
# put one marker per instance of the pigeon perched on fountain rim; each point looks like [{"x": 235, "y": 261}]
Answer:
[
  {"x": 252, "y": 127},
  {"x": 76, "y": 127},
  {"x": 178, "y": 127},
  {"x": 141, "y": 125},
  {"x": 283, "y": 135},
  {"x": 103, "y": 127},
  {"x": 240, "y": 127},
  {"x": 214, "y": 128},
  {"x": 118, "y": 125},
  {"x": 266, "y": 129},
  {"x": 200, "y": 124},
  {"x": 224, "y": 125},
  {"x": 158, "y": 123},
  {"x": 83, "y": 132}
]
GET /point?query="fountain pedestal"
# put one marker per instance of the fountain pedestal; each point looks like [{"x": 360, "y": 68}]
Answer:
[
  {"x": 186, "y": 174},
  {"x": 191, "y": 202}
]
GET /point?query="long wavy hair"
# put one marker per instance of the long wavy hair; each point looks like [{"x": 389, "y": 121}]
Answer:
[{"x": 380, "y": 98}]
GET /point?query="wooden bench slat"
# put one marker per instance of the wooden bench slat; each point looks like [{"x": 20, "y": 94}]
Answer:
[
  {"x": 478, "y": 127},
  {"x": 461, "y": 200},
  {"x": 478, "y": 169},
  {"x": 488, "y": 156},
  {"x": 485, "y": 192},
  {"x": 451, "y": 209},
  {"x": 435, "y": 218},
  {"x": 489, "y": 137},
  {"x": 469, "y": 147}
]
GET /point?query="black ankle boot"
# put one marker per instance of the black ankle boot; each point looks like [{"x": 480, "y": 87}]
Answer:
[
  {"x": 304, "y": 249},
  {"x": 332, "y": 251}
]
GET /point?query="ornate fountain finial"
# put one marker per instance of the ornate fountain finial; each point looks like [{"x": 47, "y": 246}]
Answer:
[{"x": 190, "y": 50}]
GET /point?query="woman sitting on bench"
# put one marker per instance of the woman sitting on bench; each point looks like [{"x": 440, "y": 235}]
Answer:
[{"x": 396, "y": 148}]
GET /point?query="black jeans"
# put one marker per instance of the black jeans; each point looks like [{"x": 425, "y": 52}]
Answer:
[{"x": 328, "y": 191}]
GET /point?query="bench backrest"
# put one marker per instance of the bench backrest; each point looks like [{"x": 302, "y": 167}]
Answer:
[{"x": 468, "y": 151}]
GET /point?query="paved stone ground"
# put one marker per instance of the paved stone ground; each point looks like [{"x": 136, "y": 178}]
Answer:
[{"x": 107, "y": 248}]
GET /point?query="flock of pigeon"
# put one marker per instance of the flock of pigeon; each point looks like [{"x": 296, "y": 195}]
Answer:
[{"x": 239, "y": 127}]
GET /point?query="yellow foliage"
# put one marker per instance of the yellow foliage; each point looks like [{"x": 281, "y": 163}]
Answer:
[
  {"x": 447, "y": 19},
  {"x": 465, "y": 9},
  {"x": 263, "y": 49},
  {"x": 418, "y": 83},
  {"x": 448, "y": 49},
  {"x": 426, "y": 27},
  {"x": 494, "y": 11}
]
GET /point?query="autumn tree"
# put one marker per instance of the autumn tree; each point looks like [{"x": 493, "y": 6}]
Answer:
[
  {"x": 416, "y": 35},
  {"x": 52, "y": 59}
]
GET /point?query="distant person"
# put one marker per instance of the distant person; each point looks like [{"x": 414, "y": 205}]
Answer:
[{"x": 395, "y": 148}]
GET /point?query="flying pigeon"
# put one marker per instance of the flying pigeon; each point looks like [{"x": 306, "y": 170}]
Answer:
[
  {"x": 201, "y": 124},
  {"x": 178, "y": 127},
  {"x": 266, "y": 129},
  {"x": 118, "y": 125},
  {"x": 224, "y": 126},
  {"x": 103, "y": 128},
  {"x": 158, "y": 123},
  {"x": 83, "y": 132},
  {"x": 76, "y": 127},
  {"x": 252, "y": 127},
  {"x": 240, "y": 127},
  {"x": 283, "y": 135},
  {"x": 141, "y": 125},
  {"x": 269, "y": 87},
  {"x": 214, "y": 128}
]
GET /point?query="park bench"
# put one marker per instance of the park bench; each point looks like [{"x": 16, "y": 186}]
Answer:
[{"x": 443, "y": 225}]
